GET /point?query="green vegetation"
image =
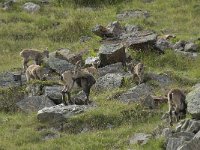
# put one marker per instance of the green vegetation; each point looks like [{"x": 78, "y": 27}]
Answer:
[{"x": 61, "y": 23}]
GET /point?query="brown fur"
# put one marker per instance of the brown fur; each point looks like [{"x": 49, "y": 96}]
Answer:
[
  {"x": 32, "y": 54},
  {"x": 176, "y": 102},
  {"x": 138, "y": 70},
  {"x": 35, "y": 72}
]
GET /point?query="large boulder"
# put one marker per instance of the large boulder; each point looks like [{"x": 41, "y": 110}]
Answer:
[
  {"x": 31, "y": 7},
  {"x": 193, "y": 101},
  {"x": 136, "y": 94},
  {"x": 34, "y": 103},
  {"x": 111, "y": 53},
  {"x": 109, "y": 81},
  {"x": 128, "y": 14},
  {"x": 54, "y": 93},
  {"x": 60, "y": 112},
  {"x": 59, "y": 65}
]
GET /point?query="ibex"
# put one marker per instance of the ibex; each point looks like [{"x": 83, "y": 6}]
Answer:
[
  {"x": 138, "y": 71},
  {"x": 33, "y": 54},
  {"x": 35, "y": 72},
  {"x": 176, "y": 102},
  {"x": 75, "y": 79}
]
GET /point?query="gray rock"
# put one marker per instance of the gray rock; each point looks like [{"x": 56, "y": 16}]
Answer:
[
  {"x": 136, "y": 94},
  {"x": 128, "y": 14},
  {"x": 197, "y": 135},
  {"x": 35, "y": 103},
  {"x": 179, "y": 45},
  {"x": 141, "y": 40},
  {"x": 34, "y": 89},
  {"x": 194, "y": 103},
  {"x": 109, "y": 81},
  {"x": 194, "y": 144},
  {"x": 191, "y": 47},
  {"x": 132, "y": 28},
  {"x": 90, "y": 60},
  {"x": 58, "y": 65},
  {"x": 115, "y": 28},
  {"x": 8, "y": 4},
  {"x": 113, "y": 68},
  {"x": 84, "y": 39},
  {"x": 149, "y": 102},
  {"x": 188, "y": 54},
  {"x": 51, "y": 135},
  {"x": 111, "y": 53},
  {"x": 174, "y": 143},
  {"x": 163, "y": 44},
  {"x": 191, "y": 125},
  {"x": 186, "y": 135},
  {"x": 60, "y": 112},
  {"x": 31, "y": 7},
  {"x": 140, "y": 138},
  {"x": 54, "y": 93},
  {"x": 167, "y": 132},
  {"x": 7, "y": 79}
]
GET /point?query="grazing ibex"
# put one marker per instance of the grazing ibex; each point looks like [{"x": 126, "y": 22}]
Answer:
[
  {"x": 35, "y": 72},
  {"x": 32, "y": 54},
  {"x": 138, "y": 71},
  {"x": 75, "y": 79},
  {"x": 176, "y": 102}
]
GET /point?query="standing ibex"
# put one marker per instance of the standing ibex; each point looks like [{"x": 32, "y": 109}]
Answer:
[
  {"x": 138, "y": 71},
  {"x": 176, "y": 102},
  {"x": 35, "y": 72},
  {"x": 32, "y": 54},
  {"x": 74, "y": 79}
]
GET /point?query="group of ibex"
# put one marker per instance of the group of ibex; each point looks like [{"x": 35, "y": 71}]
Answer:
[{"x": 84, "y": 78}]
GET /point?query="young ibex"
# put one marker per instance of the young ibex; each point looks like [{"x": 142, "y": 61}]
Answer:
[
  {"x": 35, "y": 72},
  {"x": 138, "y": 71},
  {"x": 176, "y": 102},
  {"x": 74, "y": 79},
  {"x": 32, "y": 54}
]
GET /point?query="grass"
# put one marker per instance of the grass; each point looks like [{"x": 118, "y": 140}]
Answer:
[{"x": 60, "y": 24}]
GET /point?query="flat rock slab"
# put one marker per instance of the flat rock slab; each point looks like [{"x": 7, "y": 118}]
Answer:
[
  {"x": 60, "y": 112},
  {"x": 109, "y": 81},
  {"x": 34, "y": 103},
  {"x": 136, "y": 94}
]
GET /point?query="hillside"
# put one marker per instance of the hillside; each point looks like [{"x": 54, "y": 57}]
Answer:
[{"x": 68, "y": 24}]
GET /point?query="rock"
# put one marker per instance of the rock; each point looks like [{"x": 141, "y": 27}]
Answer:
[
  {"x": 148, "y": 102},
  {"x": 54, "y": 93},
  {"x": 188, "y": 54},
  {"x": 174, "y": 143},
  {"x": 60, "y": 112},
  {"x": 7, "y": 79},
  {"x": 34, "y": 89},
  {"x": 128, "y": 14},
  {"x": 191, "y": 47},
  {"x": 194, "y": 144},
  {"x": 167, "y": 132},
  {"x": 8, "y": 4},
  {"x": 179, "y": 45},
  {"x": 115, "y": 28},
  {"x": 113, "y": 68},
  {"x": 135, "y": 94},
  {"x": 58, "y": 65},
  {"x": 191, "y": 125},
  {"x": 51, "y": 135},
  {"x": 141, "y": 40},
  {"x": 140, "y": 138},
  {"x": 101, "y": 31},
  {"x": 65, "y": 54},
  {"x": 163, "y": 44},
  {"x": 35, "y": 103},
  {"x": 197, "y": 136},
  {"x": 111, "y": 53},
  {"x": 186, "y": 135},
  {"x": 109, "y": 81},
  {"x": 162, "y": 79},
  {"x": 84, "y": 39},
  {"x": 193, "y": 106},
  {"x": 132, "y": 28},
  {"x": 31, "y": 7}
]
